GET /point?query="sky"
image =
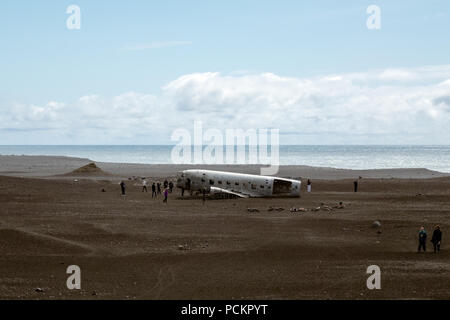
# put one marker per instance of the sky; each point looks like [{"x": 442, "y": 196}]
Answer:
[{"x": 136, "y": 71}]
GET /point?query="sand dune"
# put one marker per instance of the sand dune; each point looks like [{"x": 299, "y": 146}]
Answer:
[{"x": 90, "y": 169}]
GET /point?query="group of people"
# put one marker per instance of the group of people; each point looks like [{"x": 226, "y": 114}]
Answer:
[
  {"x": 156, "y": 188},
  {"x": 435, "y": 239}
]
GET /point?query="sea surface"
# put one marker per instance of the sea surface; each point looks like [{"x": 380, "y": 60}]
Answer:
[{"x": 335, "y": 156}]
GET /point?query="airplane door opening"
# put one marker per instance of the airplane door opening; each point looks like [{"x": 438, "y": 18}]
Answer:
[{"x": 281, "y": 186}]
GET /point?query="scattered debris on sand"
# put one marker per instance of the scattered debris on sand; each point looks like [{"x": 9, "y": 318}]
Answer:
[
  {"x": 324, "y": 207},
  {"x": 294, "y": 209},
  {"x": 183, "y": 247},
  {"x": 252, "y": 210},
  {"x": 275, "y": 209},
  {"x": 339, "y": 206}
]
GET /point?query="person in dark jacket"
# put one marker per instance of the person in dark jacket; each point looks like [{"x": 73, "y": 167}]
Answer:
[
  {"x": 204, "y": 195},
  {"x": 154, "y": 190},
  {"x": 122, "y": 187},
  {"x": 436, "y": 238},
  {"x": 170, "y": 186},
  {"x": 422, "y": 239},
  {"x": 158, "y": 187}
]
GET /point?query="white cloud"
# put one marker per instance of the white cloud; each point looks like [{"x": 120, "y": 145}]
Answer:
[
  {"x": 385, "y": 106},
  {"x": 398, "y": 74}
]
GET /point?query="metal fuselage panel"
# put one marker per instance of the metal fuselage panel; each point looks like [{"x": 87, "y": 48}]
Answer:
[{"x": 247, "y": 184}]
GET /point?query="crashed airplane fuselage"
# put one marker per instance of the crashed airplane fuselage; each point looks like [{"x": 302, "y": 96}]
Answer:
[{"x": 237, "y": 184}]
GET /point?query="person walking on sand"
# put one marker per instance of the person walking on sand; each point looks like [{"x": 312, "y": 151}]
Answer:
[
  {"x": 166, "y": 194},
  {"x": 309, "y": 186},
  {"x": 170, "y": 186},
  {"x": 154, "y": 190},
  {"x": 122, "y": 187},
  {"x": 422, "y": 239},
  {"x": 144, "y": 185},
  {"x": 355, "y": 186},
  {"x": 436, "y": 238}
]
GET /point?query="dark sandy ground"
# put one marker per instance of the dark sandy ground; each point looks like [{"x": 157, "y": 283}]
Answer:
[{"x": 129, "y": 247}]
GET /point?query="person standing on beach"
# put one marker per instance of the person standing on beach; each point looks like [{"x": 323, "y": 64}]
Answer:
[
  {"x": 436, "y": 238},
  {"x": 170, "y": 186},
  {"x": 204, "y": 195},
  {"x": 158, "y": 187},
  {"x": 355, "y": 185},
  {"x": 122, "y": 187},
  {"x": 309, "y": 186},
  {"x": 144, "y": 185},
  {"x": 422, "y": 239},
  {"x": 154, "y": 190},
  {"x": 166, "y": 194}
]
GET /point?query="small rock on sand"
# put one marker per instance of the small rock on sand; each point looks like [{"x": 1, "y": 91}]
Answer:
[
  {"x": 183, "y": 247},
  {"x": 376, "y": 224}
]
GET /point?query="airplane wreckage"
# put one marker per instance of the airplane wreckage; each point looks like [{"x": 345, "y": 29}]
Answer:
[{"x": 229, "y": 184}]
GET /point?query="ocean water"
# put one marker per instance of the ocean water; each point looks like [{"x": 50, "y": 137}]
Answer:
[{"x": 346, "y": 157}]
